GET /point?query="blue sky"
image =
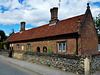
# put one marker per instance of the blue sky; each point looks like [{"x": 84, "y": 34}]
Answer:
[{"x": 37, "y": 12}]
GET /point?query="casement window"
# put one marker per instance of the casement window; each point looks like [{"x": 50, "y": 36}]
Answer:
[
  {"x": 22, "y": 47},
  {"x": 28, "y": 46},
  {"x": 59, "y": 46},
  {"x": 17, "y": 46},
  {"x": 11, "y": 45},
  {"x": 62, "y": 46}
]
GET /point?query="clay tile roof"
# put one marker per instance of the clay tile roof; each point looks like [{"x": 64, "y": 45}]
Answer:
[{"x": 61, "y": 27}]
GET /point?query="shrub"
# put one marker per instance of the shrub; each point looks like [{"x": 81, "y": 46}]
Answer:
[
  {"x": 1, "y": 45},
  {"x": 50, "y": 50},
  {"x": 74, "y": 52},
  {"x": 7, "y": 45}
]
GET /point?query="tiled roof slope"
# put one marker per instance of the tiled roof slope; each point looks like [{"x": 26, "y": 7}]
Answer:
[{"x": 62, "y": 27}]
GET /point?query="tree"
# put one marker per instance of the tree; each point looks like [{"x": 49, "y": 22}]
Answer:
[
  {"x": 2, "y": 36},
  {"x": 1, "y": 45},
  {"x": 7, "y": 45},
  {"x": 97, "y": 23}
]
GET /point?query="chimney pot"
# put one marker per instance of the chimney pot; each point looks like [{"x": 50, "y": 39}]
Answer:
[
  {"x": 22, "y": 26},
  {"x": 54, "y": 15}
]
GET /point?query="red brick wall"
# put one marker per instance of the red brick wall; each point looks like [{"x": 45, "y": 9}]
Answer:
[
  {"x": 71, "y": 46},
  {"x": 52, "y": 44},
  {"x": 89, "y": 37}
]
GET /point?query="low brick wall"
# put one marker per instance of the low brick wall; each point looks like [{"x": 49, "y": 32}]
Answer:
[{"x": 71, "y": 63}]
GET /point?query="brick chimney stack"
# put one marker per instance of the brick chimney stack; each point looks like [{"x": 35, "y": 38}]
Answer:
[
  {"x": 54, "y": 15},
  {"x": 22, "y": 26}
]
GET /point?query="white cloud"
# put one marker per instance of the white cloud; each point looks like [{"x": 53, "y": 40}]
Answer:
[
  {"x": 27, "y": 28},
  {"x": 37, "y": 12},
  {"x": 7, "y": 34}
]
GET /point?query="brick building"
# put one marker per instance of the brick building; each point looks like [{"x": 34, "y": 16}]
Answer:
[{"x": 76, "y": 35}]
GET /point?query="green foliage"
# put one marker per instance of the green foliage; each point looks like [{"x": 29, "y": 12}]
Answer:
[
  {"x": 97, "y": 21},
  {"x": 74, "y": 52},
  {"x": 6, "y": 37},
  {"x": 12, "y": 50},
  {"x": 2, "y": 36},
  {"x": 50, "y": 50},
  {"x": 65, "y": 69},
  {"x": 45, "y": 49},
  {"x": 56, "y": 51},
  {"x": 7, "y": 45},
  {"x": 1, "y": 45},
  {"x": 27, "y": 50},
  {"x": 31, "y": 50},
  {"x": 48, "y": 65}
]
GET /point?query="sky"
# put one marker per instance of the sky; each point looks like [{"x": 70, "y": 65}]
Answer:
[{"x": 37, "y": 12}]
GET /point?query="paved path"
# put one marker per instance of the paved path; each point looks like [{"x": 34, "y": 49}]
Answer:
[
  {"x": 34, "y": 68},
  {"x": 97, "y": 73},
  {"x": 9, "y": 69}
]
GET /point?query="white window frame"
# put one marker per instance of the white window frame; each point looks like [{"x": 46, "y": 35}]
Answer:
[
  {"x": 22, "y": 47},
  {"x": 12, "y": 45},
  {"x": 58, "y": 46},
  {"x": 61, "y": 47}
]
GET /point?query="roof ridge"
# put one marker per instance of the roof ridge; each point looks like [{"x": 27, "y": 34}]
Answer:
[
  {"x": 73, "y": 17},
  {"x": 48, "y": 23}
]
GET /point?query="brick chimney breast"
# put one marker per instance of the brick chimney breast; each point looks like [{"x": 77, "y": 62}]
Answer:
[
  {"x": 54, "y": 15},
  {"x": 22, "y": 26}
]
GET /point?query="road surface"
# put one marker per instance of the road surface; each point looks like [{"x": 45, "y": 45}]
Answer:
[
  {"x": 12, "y": 66},
  {"x": 11, "y": 69}
]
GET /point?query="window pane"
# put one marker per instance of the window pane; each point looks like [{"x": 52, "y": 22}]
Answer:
[
  {"x": 28, "y": 46},
  {"x": 17, "y": 47},
  {"x": 22, "y": 47},
  {"x": 64, "y": 46},
  {"x": 59, "y": 46}
]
